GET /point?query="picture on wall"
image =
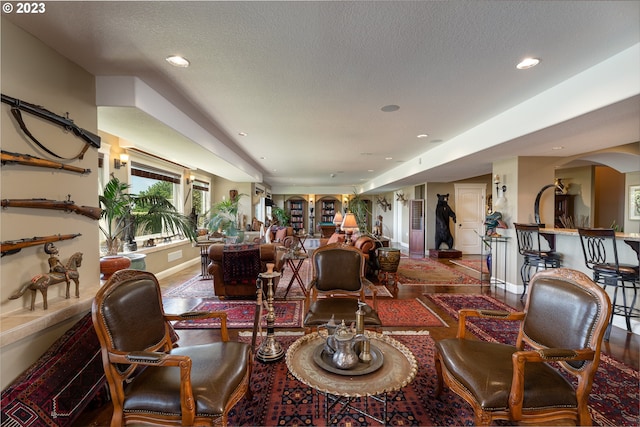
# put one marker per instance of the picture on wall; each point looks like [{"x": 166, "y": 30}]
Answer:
[{"x": 634, "y": 202}]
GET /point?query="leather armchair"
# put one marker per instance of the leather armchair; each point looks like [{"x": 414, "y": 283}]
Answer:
[
  {"x": 283, "y": 236},
  {"x": 337, "y": 285},
  {"x": 366, "y": 244},
  {"x": 150, "y": 381},
  {"x": 563, "y": 321},
  {"x": 246, "y": 287}
]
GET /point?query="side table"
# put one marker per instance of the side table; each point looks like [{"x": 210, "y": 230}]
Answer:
[
  {"x": 295, "y": 261},
  {"x": 398, "y": 370}
]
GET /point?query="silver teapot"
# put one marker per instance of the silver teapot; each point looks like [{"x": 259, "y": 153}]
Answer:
[{"x": 342, "y": 344}]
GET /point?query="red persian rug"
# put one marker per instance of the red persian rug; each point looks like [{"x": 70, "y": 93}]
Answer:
[
  {"x": 424, "y": 271},
  {"x": 615, "y": 396},
  {"x": 281, "y": 400},
  {"x": 55, "y": 390},
  {"x": 241, "y": 314},
  {"x": 409, "y": 313},
  {"x": 472, "y": 264}
]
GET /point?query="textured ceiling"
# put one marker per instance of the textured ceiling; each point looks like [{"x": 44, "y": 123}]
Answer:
[{"x": 307, "y": 80}]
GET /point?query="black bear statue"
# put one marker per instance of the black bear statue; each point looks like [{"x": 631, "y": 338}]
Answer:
[{"x": 443, "y": 213}]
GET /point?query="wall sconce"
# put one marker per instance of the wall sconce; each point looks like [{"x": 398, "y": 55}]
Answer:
[
  {"x": 191, "y": 179},
  {"x": 121, "y": 162},
  {"x": 496, "y": 181},
  {"x": 501, "y": 201}
]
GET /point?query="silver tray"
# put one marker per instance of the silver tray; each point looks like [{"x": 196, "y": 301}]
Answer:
[{"x": 323, "y": 360}]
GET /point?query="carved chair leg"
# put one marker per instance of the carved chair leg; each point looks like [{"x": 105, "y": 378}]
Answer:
[{"x": 439, "y": 381}]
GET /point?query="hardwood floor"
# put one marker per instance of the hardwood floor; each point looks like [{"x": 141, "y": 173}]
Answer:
[{"x": 622, "y": 345}]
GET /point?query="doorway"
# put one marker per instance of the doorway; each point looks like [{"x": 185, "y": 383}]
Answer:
[{"x": 470, "y": 214}]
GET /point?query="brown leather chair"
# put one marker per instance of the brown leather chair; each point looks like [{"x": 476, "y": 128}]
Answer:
[
  {"x": 563, "y": 321},
  {"x": 150, "y": 381},
  {"x": 241, "y": 283},
  {"x": 337, "y": 285}
]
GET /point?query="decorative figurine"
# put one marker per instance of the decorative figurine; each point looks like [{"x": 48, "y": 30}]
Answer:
[{"x": 59, "y": 273}]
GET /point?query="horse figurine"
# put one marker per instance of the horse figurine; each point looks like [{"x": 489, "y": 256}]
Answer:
[{"x": 41, "y": 282}]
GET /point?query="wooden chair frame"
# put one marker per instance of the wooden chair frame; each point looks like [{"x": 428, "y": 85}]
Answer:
[
  {"x": 121, "y": 366},
  {"x": 528, "y": 351}
]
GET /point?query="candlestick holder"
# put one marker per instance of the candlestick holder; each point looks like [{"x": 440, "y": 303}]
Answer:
[{"x": 270, "y": 350}]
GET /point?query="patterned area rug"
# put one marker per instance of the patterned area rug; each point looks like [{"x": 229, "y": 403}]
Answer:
[
  {"x": 615, "y": 396},
  {"x": 471, "y": 264},
  {"x": 56, "y": 389},
  {"x": 393, "y": 313},
  {"x": 241, "y": 314},
  {"x": 409, "y": 313},
  {"x": 425, "y": 271},
  {"x": 279, "y": 399}
]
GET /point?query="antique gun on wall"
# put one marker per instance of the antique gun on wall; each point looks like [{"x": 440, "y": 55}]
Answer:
[
  {"x": 11, "y": 247},
  {"x": 61, "y": 205},
  {"x": 17, "y": 106},
  {"x": 28, "y": 160}
]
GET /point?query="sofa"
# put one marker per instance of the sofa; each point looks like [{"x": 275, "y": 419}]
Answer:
[{"x": 235, "y": 268}]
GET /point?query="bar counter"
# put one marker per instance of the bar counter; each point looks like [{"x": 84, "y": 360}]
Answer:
[{"x": 567, "y": 243}]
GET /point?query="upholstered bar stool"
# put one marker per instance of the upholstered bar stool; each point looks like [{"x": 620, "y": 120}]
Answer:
[
  {"x": 601, "y": 257},
  {"x": 534, "y": 257}
]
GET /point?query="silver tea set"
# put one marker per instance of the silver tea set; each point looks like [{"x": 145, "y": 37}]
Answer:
[{"x": 346, "y": 346}]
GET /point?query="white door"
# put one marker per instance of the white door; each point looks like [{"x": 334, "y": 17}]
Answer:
[{"x": 470, "y": 216}]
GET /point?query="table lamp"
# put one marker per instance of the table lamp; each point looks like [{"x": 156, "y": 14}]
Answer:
[
  {"x": 349, "y": 226},
  {"x": 337, "y": 221}
]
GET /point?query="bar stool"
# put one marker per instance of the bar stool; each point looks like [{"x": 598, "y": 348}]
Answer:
[
  {"x": 529, "y": 247},
  {"x": 601, "y": 257}
]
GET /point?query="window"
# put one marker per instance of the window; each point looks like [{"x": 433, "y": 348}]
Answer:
[
  {"x": 201, "y": 200},
  {"x": 147, "y": 180}
]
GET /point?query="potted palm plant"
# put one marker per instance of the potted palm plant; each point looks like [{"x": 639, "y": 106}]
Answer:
[
  {"x": 225, "y": 216},
  {"x": 280, "y": 215},
  {"x": 124, "y": 213}
]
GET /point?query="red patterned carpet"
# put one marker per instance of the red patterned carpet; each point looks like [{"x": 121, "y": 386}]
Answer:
[
  {"x": 241, "y": 314},
  {"x": 471, "y": 264},
  {"x": 425, "y": 271},
  {"x": 407, "y": 313},
  {"x": 615, "y": 396},
  {"x": 393, "y": 313},
  {"x": 281, "y": 400}
]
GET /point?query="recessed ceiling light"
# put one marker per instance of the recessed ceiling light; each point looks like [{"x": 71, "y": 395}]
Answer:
[
  {"x": 388, "y": 158},
  {"x": 243, "y": 133},
  {"x": 177, "y": 61},
  {"x": 527, "y": 63},
  {"x": 390, "y": 108},
  {"x": 423, "y": 135},
  {"x": 369, "y": 170},
  {"x": 559, "y": 147}
]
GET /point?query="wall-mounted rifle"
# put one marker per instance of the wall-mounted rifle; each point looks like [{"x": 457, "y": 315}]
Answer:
[
  {"x": 60, "y": 205},
  {"x": 28, "y": 160},
  {"x": 11, "y": 247},
  {"x": 17, "y": 106}
]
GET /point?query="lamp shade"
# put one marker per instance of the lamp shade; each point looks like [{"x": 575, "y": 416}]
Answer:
[
  {"x": 349, "y": 223},
  {"x": 337, "y": 219}
]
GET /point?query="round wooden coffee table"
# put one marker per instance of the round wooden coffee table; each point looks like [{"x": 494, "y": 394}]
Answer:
[{"x": 398, "y": 369}]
